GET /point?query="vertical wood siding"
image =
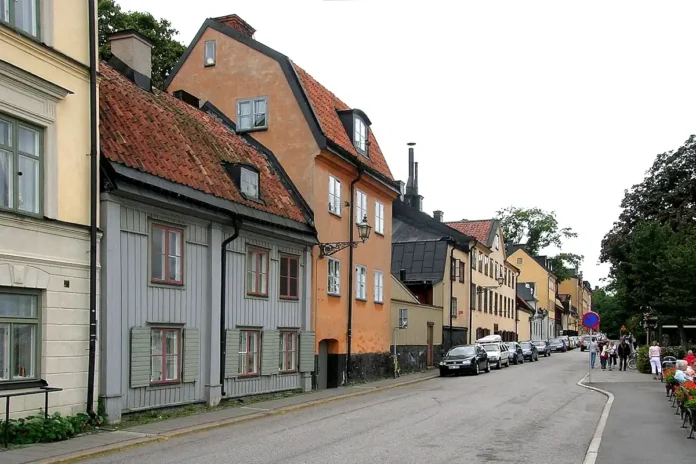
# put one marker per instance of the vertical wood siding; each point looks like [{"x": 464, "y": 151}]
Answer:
[{"x": 143, "y": 303}]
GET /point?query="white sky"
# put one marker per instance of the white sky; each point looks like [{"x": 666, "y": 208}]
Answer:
[{"x": 551, "y": 104}]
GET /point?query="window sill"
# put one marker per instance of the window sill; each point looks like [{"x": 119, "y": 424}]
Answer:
[
  {"x": 247, "y": 376},
  {"x": 379, "y": 302},
  {"x": 254, "y": 199},
  {"x": 165, "y": 284},
  {"x": 253, "y": 129},
  {"x": 22, "y": 384},
  {"x": 290, "y": 298},
  {"x": 288, "y": 372},
  {"x": 335, "y": 295},
  {"x": 364, "y": 300},
  {"x": 209, "y": 65},
  {"x": 257, "y": 296},
  {"x": 335, "y": 214},
  {"x": 164, "y": 385}
]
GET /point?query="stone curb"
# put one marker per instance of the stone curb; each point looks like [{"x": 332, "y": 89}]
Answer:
[
  {"x": 137, "y": 442},
  {"x": 593, "y": 449}
]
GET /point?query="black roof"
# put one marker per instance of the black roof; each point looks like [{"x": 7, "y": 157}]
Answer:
[
  {"x": 423, "y": 261},
  {"x": 525, "y": 290},
  {"x": 411, "y": 225}
]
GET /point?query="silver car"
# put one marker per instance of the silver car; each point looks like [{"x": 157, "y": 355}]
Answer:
[{"x": 497, "y": 355}]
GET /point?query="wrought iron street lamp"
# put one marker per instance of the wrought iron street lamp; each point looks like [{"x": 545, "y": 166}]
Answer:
[
  {"x": 327, "y": 249},
  {"x": 483, "y": 288}
]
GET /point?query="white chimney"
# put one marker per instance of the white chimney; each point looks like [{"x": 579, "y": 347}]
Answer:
[{"x": 133, "y": 49}]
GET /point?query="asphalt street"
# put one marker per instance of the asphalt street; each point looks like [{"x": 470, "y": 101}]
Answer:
[{"x": 533, "y": 413}]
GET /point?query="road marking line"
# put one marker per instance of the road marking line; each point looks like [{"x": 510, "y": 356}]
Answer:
[
  {"x": 593, "y": 450},
  {"x": 255, "y": 409}
]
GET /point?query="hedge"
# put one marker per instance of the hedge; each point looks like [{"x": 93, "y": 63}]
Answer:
[{"x": 643, "y": 363}]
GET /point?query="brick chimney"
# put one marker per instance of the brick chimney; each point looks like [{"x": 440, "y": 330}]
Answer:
[
  {"x": 134, "y": 50},
  {"x": 439, "y": 215},
  {"x": 237, "y": 23}
]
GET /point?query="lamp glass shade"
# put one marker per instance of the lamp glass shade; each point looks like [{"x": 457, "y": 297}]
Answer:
[
  {"x": 501, "y": 279},
  {"x": 364, "y": 230}
]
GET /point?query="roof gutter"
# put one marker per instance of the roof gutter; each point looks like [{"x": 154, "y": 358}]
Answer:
[{"x": 223, "y": 299}]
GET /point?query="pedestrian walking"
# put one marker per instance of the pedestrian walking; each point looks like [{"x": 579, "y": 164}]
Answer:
[
  {"x": 624, "y": 351},
  {"x": 592, "y": 348},
  {"x": 612, "y": 355},
  {"x": 604, "y": 356},
  {"x": 655, "y": 354}
]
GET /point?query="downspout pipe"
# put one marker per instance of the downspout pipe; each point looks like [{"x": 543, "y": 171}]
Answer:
[
  {"x": 94, "y": 194},
  {"x": 474, "y": 296},
  {"x": 223, "y": 298},
  {"x": 452, "y": 273},
  {"x": 351, "y": 236}
]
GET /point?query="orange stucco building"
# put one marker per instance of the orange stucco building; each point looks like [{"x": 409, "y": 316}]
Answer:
[{"x": 333, "y": 158}]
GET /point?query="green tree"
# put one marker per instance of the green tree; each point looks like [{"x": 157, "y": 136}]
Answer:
[
  {"x": 534, "y": 227},
  {"x": 538, "y": 229},
  {"x": 166, "y": 51},
  {"x": 652, "y": 246}
]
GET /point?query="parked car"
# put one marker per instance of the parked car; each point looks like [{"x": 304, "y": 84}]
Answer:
[
  {"x": 497, "y": 354},
  {"x": 529, "y": 351},
  {"x": 465, "y": 358},
  {"x": 515, "y": 354},
  {"x": 556, "y": 344},
  {"x": 543, "y": 347},
  {"x": 585, "y": 341},
  {"x": 567, "y": 341}
]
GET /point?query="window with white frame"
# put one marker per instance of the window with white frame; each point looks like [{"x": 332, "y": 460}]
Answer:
[
  {"x": 360, "y": 282},
  {"x": 334, "y": 195},
  {"x": 496, "y": 242},
  {"x": 166, "y": 248},
  {"x": 360, "y": 207},
  {"x": 209, "y": 52},
  {"x": 360, "y": 136},
  {"x": 257, "y": 272},
  {"x": 334, "y": 276},
  {"x": 248, "y": 352},
  {"x": 249, "y": 182},
  {"x": 379, "y": 287},
  {"x": 165, "y": 355},
  {"x": 252, "y": 114},
  {"x": 20, "y": 166},
  {"x": 403, "y": 318},
  {"x": 379, "y": 217},
  {"x": 454, "y": 307},
  {"x": 288, "y": 352},
  {"x": 19, "y": 327},
  {"x": 22, "y": 14}
]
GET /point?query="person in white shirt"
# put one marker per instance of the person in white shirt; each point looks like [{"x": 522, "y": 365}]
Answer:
[{"x": 654, "y": 353}]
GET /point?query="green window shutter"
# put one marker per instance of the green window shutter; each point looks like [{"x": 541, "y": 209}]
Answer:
[
  {"x": 140, "y": 357},
  {"x": 270, "y": 352},
  {"x": 191, "y": 354},
  {"x": 232, "y": 353},
  {"x": 307, "y": 352}
]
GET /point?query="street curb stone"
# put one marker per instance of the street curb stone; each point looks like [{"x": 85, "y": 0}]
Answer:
[
  {"x": 593, "y": 449},
  {"x": 135, "y": 443}
]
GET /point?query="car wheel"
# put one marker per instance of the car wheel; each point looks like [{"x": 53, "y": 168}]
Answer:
[
  {"x": 498, "y": 366},
  {"x": 522, "y": 362},
  {"x": 478, "y": 369},
  {"x": 545, "y": 354},
  {"x": 443, "y": 373},
  {"x": 488, "y": 366}
]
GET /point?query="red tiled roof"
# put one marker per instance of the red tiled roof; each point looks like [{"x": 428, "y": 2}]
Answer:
[
  {"x": 163, "y": 136},
  {"x": 325, "y": 104},
  {"x": 477, "y": 229}
]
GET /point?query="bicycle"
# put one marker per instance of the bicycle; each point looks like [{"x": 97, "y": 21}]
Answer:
[
  {"x": 633, "y": 361},
  {"x": 397, "y": 369}
]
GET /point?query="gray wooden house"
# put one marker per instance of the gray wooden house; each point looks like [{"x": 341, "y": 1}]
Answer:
[{"x": 206, "y": 251}]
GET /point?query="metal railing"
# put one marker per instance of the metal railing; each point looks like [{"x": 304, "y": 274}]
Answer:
[{"x": 7, "y": 396}]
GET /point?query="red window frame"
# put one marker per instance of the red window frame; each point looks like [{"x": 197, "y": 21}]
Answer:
[
  {"x": 257, "y": 254},
  {"x": 288, "y": 278},
  {"x": 164, "y": 355},
  {"x": 257, "y": 361},
  {"x": 286, "y": 356},
  {"x": 166, "y": 253}
]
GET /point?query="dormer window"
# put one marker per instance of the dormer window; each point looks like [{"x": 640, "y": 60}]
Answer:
[
  {"x": 209, "y": 53},
  {"x": 496, "y": 242},
  {"x": 360, "y": 136},
  {"x": 246, "y": 177},
  {"x": 249, "y": 183}
]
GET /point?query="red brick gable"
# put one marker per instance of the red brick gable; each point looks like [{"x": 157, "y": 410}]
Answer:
[
  {"x": 163, "y": 136},
  {"x": 325, "y": 105},
  {"x": 480, "y": 230}
]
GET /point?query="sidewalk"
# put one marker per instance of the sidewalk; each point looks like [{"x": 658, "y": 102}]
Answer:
[
  {"x": 642, "y": 427},
  {"x": 103, "y": 442}
]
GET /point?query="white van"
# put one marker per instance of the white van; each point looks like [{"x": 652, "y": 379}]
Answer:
[{"x": 497, "y": 350}]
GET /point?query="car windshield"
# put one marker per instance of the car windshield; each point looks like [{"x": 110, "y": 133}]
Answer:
[
  {"x": 462, "y": 351},
  {"x": 491, "y": 347},
  {"x": 526, "y": 345},
  {"x": 555, "y": 340},
  {"x": 540, "y": 343}
]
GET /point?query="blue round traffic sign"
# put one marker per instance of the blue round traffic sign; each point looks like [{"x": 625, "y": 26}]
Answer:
[{"x": 590, "y": 320}]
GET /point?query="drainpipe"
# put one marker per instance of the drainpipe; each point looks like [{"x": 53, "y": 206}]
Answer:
[
  {"x": 475, "y": 295},
  {"x": 94, "y": 191},
  {"x": 223, "y": 294},
  {"x": 350, "y": 269},
  {"x": 451, "y": 293}
]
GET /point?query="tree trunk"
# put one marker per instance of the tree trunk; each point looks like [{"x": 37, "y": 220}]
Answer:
[{"x": 682, "y": 334}]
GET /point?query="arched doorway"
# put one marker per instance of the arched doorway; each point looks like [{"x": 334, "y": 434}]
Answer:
[{"x": 328, "y": 375}]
